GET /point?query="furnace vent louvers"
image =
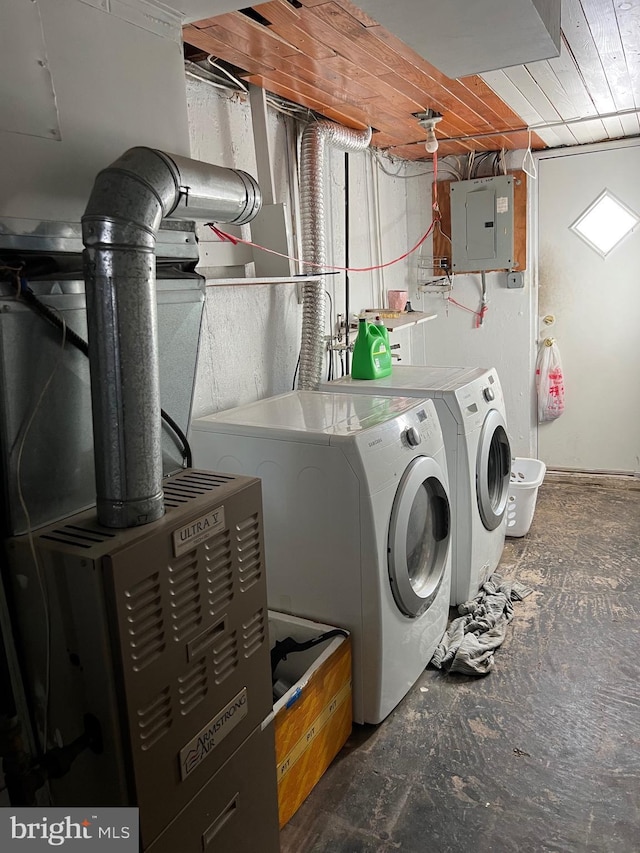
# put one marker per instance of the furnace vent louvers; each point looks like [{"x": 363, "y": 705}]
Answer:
[
  {"x": 225, "y": 657},
  {"x": 219, "y": 567},
  {"x": 154, "y": 720},
  {"x": 249, "y": 552},
  {"x": 314, "y": 241},
  {"x": 253, "y": 633},
  {"x": 184, "y": 593},
  {"x": 119, "y": 228},
  {"x": 193, "y": 687}
]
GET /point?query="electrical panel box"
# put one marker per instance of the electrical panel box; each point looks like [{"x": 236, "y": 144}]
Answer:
[{"x": 482, "y": 236}]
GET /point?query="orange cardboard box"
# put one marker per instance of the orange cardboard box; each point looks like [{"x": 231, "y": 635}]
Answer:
[{"x": 313, "y": 718}]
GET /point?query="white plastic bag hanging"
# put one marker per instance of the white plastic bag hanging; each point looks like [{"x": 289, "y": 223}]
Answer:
[{"x": 549, "y": 381}]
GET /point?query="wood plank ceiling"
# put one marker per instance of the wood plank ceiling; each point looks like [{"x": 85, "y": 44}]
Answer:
[{"x": 330, "y": 56}]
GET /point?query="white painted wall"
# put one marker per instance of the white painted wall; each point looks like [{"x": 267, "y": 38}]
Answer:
[
  {"x": 113, "y": 77},
  {"x": 596, "y": 305},
  {"x": 251, "y": 335},
  {"x": 107, "y": 99},
  {"x": 116, "y": 80},
  {"x": 503, "y": 341},
  {"x": 595, "y": 329},
  {"x": 379, "y": 233}
]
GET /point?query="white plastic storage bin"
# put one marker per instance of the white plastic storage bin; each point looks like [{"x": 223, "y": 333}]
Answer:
[{"x": 526, "y": 478}]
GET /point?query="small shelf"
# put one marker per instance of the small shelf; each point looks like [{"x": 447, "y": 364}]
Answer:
[
  {"x": 406, "y": 319},
  {"x": 245, "y": 282}
]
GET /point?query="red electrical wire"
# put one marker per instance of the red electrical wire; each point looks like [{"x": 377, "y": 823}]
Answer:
[
  {"x": 436, "y": 218},
  {"x": 479, "y": 314},
  {"x": 231, "y": 239}
]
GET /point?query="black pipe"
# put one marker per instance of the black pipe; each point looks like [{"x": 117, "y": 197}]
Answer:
[
  {"x": 24, "y": 775},
  {"x": 7, "y": 701},
  {"x": 54, "y": 319},
  {"x": 186, "y": 447}
]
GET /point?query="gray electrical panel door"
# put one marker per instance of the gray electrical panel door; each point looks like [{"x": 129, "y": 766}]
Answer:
[{"x": 482, "y": 224}]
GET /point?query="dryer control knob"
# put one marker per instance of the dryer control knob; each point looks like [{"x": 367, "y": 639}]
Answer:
[
  {"x": 489, "y": 394},
  {"x": 412, "y": 436}
]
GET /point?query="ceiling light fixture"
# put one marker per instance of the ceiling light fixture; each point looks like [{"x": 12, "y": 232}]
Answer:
[{"x": 428, "y": 120}]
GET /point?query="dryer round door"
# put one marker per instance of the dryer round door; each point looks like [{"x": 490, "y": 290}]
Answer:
[
  {"x": 419, "y": 536},
  {"x": 493, "y": 468}
]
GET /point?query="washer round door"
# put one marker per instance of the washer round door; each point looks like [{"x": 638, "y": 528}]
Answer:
[
  {"x": 493, "y": 468},
  {"x": 419, "y": 534}
]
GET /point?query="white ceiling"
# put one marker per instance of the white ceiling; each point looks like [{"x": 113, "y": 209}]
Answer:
[{"x": 195, "y": 10}]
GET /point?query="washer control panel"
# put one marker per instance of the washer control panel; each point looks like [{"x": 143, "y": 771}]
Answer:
[{"x": 412, "y": 436}]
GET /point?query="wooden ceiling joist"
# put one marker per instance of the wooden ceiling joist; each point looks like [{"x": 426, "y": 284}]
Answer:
[{"x": 333, "y": 58}]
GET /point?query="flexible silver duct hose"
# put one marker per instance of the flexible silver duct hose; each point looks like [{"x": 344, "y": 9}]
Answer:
[
  {"x": 314, "y": 242},
  {"x": 119, "y": 228}
]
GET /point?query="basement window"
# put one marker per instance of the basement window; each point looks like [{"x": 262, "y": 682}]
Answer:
[{"x": 605, "y": 223}]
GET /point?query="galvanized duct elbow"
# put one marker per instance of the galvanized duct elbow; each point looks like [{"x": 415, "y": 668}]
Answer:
[
  {"x": 119, "y": 228},
  {"x": 314, "y": 242}
]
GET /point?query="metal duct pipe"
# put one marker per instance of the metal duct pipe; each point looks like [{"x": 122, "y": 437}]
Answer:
[
  {"x": 119, "y": 228},
  {"x": 314, "y": 243}
]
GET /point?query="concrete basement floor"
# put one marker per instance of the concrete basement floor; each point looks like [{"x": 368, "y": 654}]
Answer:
[{"x": 543, "y": 754}]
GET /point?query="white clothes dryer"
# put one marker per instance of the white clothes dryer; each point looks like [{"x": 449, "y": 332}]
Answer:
[
  {"x": 356, "y": 523},
  {"x": 471, "y": 409}
]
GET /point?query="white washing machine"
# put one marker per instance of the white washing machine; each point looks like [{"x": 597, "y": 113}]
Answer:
[
  {"x": 356, "y": 521},
  {"x": 472, "y": 414}
]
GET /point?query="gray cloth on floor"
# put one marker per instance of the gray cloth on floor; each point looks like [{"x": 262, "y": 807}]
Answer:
[{"x": 470, "y": 641}]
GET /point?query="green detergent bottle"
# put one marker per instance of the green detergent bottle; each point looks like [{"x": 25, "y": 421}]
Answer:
[{"x": 371, "y": 355}]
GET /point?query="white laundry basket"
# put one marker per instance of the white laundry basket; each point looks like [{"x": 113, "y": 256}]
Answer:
[{"x": 526, "y": 478}]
